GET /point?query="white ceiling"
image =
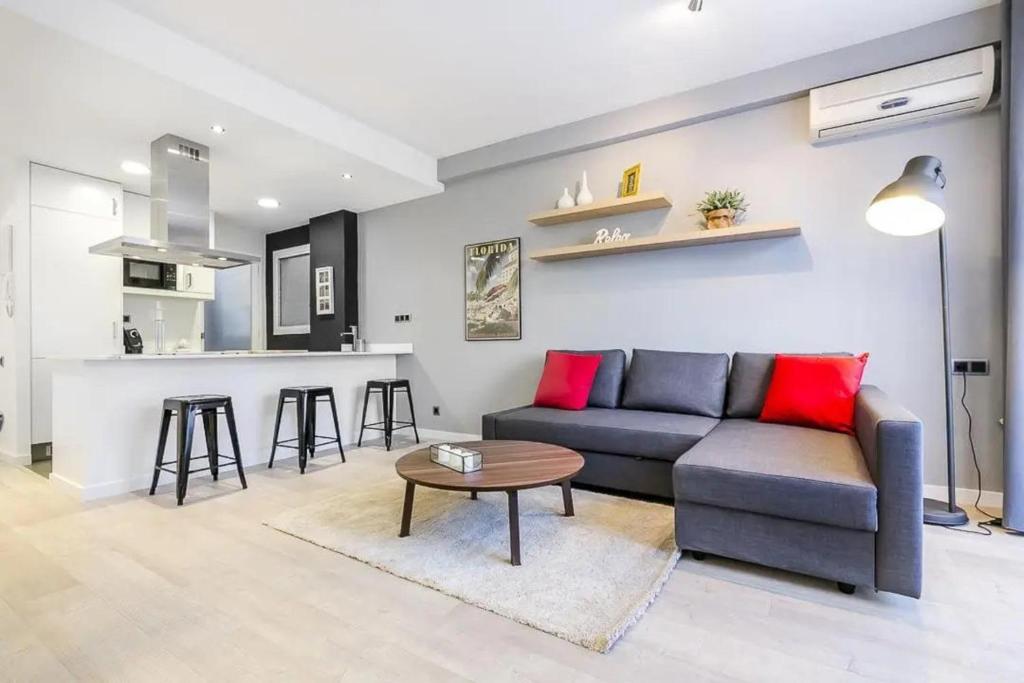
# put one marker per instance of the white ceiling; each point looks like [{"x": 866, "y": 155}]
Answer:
[
  {"x": 451, "y": 75},
  {"x": 73, "y": 106},
  {"x": 380, "y": 89}
]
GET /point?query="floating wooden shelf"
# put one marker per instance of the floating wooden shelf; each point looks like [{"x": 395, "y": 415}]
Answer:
[
  {"x": 677, "y": 240},
  {"x": 601, "y": 209}
]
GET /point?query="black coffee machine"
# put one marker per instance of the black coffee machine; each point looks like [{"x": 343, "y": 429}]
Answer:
[{"x": 132, "y": 338}]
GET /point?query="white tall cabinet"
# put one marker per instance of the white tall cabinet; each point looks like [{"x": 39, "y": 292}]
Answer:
[{"x": 76, "y": 302}]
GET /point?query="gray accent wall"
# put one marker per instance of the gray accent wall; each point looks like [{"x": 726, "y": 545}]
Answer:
[
  {"x": 780, "y": 83},
  {"x": 840, "y": 285}
]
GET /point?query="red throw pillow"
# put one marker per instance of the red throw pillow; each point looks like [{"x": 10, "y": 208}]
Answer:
[
  {"x": 566, "y": 380},
  {"x": 814, "y": 391}
]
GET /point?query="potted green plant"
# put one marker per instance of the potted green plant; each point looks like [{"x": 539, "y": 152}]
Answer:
[{"x": 722, "y": 208}]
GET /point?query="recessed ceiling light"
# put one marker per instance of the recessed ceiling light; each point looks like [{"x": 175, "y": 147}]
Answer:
[
  {"x": 268, "y": 202},
  {"x": 219, "y": 130},
  {"x": 222, "y": 258},
  {"x": 346, "y": 176},
  {"x": 195, "y": 265},
  {"x": 161, "y": 250},
  {"x": 134, "y": 168}
]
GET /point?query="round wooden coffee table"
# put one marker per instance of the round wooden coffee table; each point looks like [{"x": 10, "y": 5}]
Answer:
[{"x": 508, "y": 466}]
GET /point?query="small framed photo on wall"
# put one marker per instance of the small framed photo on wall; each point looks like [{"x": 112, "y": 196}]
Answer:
[{"x": 324, "y": 283}]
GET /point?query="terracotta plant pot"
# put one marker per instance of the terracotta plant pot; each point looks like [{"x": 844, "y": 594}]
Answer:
[{"x": 720, "y": 218}]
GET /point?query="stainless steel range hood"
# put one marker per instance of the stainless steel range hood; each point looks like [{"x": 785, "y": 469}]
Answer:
[{"x": 179, "y": 211}]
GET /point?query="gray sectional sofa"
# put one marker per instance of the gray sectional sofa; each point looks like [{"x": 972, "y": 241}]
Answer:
[{"x": 684, "y": 426}]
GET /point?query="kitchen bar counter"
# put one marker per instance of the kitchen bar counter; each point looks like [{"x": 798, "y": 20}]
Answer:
[
  {"x": 372, "y": 350},
  {"x": 107, "y": 409}
]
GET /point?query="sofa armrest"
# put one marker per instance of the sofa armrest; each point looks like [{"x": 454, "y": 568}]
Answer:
[
  {"x": 890, "y": 438},
  {"x": 489, "y": 428}
]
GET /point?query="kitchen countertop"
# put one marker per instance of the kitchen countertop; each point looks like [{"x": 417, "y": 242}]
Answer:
[
  {"x": 106, "y": 408},
  {"x": 372, "y": 350}
]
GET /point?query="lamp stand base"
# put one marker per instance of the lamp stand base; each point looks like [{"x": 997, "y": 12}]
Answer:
[{"x": 937, "y": 512}]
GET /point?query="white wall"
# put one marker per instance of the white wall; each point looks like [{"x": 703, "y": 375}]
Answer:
[
  {"x": 15, "y": 332},
  {"x": 840, "y": 285},
  {"x": 183, "y": 321}
]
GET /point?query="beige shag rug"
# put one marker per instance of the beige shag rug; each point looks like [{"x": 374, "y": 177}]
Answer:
[{"x": 586, "y": 578}]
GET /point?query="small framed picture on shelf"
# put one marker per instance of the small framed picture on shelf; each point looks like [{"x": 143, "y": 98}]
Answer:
[
  {"x": 324, "y": 278},
  {"x": 630, "y": 181}
]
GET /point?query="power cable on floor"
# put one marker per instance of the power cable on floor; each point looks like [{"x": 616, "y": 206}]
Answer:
[{"x": 983, "y": 526}]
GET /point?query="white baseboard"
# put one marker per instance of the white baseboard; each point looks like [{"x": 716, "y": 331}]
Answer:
[
  {"x": 141, "y": 482},
  {"x": 990, "y": 500},
  {"x": 440, "y": 435},
  {"x": 19, "y": 460},
  {"x": 66, "y": 487},
  {"x": 85, "y": 494}
]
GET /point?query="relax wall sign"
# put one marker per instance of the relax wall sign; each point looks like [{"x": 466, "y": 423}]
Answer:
[{"x": 616, "y": 235}]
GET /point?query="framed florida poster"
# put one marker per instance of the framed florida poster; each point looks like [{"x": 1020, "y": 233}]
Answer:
[{"x": 493, "y": 303}]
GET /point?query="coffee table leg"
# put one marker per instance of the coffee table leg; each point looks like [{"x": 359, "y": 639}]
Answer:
[
  {"x": 513, "y": 525},
  {"x": 410, "y": 489},
  {"x": 472, "y": 495},
  {"x": 567, "y": 498}
]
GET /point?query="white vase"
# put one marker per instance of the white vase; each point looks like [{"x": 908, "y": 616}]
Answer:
[
  {"x": 566, "y": 200},
  {"x": 584, "y": 197}
]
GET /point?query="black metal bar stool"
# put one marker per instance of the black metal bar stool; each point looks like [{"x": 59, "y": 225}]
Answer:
[
  {"x": 187, "y": 408},
  {"x": 305, "y": 441},
  {"x": 387, "y": 389}
]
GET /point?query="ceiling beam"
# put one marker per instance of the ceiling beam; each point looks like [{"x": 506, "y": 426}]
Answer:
[{"x": 130, "y": 36}]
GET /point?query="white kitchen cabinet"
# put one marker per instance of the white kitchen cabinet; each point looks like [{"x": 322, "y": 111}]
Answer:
[
  {"x": 196, "y": 280},
  {"x": 76, "y": 300},
  {"x": 136, "y": 215},
  {"x": 56, "y": 189}
]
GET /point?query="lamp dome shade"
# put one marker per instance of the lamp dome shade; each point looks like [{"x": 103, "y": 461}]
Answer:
[{"x": 914, "y": 203}]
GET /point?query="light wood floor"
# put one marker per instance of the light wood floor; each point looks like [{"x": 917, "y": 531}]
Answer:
[{"x": 135, "y": 589}]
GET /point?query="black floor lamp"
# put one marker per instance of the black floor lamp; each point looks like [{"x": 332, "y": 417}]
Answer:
[{"x": 914, "y": 205}]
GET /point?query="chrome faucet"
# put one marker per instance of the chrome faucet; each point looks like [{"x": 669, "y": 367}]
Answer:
[{"x": 357, "y": 343}]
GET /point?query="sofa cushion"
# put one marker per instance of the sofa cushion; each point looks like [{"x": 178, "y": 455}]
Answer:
[
  {"x": 780, "y": 470},
  {"x": 677, "y": 382},
  {"x": 663, "y": 436},
  {"x": 607, "y": 389},
  {"x": 818, "y": 391},
  {"x": 566, "y": 380},
  {"x": 749, "y": 377}
]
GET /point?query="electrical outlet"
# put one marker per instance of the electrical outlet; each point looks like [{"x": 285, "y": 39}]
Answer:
[
  {"x": 437, "y": 410},
  {"x": 402, "y": 318},
  {"x": 970, "y": 366}
]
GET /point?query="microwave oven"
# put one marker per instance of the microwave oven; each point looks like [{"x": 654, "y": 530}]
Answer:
[{"x": 150, "y": 274}]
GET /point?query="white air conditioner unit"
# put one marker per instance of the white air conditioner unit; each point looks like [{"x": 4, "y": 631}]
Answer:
[{"x": 948, "y": 86}]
